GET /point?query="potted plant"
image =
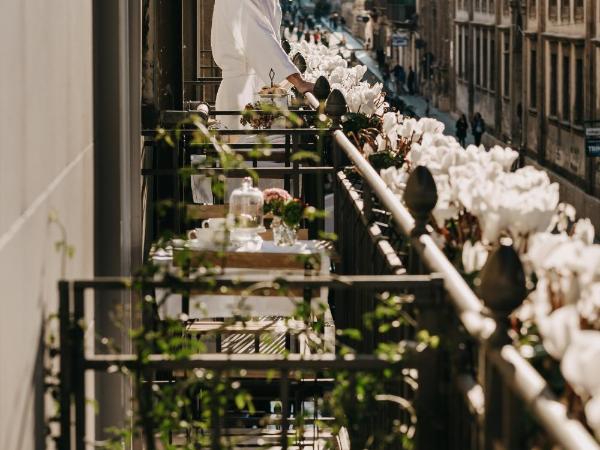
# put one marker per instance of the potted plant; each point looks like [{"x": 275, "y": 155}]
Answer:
[{"x": 287, "y": 214}]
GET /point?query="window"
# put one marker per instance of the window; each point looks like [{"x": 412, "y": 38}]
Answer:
[
  {"x": 579, "y": 15},
  {"x": 553, "y": 82},
  {"x": 457, "y": 45},
  {"x": 460, "y": 50},
  {"x": 566, "y": 85},
  {"x": 553, "y": 10},
  {"x": 477, "y": 59},
  {"x": 492, "y": 61},
  {"x": 579, "y": 82},
  {"x": 565, "y": 11},
  {"x": 532, "y": 6},
  {"x": 506, "y": 64},
  {"x": 467, "y": 46},
  {"x": 505, "y": 7},
  {"x": 533, "y": 76},
  {"x": 485, "y": 59}
]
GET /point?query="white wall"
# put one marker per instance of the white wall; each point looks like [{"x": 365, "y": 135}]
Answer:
[{"x": 46, "y": 152}]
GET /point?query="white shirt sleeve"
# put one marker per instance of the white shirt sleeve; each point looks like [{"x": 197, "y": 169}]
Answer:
[{"x": 262, "y": 47}]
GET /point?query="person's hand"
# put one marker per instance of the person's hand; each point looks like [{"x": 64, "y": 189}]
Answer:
[
  {"x": 300, "y": 84},
  {"x": 305, "y": 87}
]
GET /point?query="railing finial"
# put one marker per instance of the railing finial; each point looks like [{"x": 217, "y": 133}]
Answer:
[
  {"x": 322, "y": 88},
  {"x": 299, "y": 62},
  {"x": 421, "y": 197},
  {"x": 336, "y": 106},
  {"x": 503, "y": 286}
]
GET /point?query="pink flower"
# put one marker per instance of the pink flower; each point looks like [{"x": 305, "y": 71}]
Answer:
[{"x": 276, "y": 195}]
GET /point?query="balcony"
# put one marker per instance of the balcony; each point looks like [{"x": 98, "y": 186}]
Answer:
[
  {"x": 400, "y": 11},
  {"x": 433, "y": 343}
]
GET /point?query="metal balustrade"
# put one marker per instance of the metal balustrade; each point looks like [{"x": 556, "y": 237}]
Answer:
[
  {"x": 501, "y": 381},
  {"x": 476, "y": 391},
  {"x": 76, "y": 361}
]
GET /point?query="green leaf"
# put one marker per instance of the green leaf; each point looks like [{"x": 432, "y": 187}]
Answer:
[
  {"x": 306, "y": 155},
  {"x": 351, "y": 333},
  {"x": 240, "y": 400}
]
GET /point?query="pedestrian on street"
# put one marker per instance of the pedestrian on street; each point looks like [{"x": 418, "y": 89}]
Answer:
[
  {"x": 462, "y": 127},
  {"x": 307, "y": 35},
  {"x": 334, "y": 21},
  {"x": 325, "y": 38},
  {"x": 400, "y": 77},
  {"x": 380, "y": 57},
  {"x": 317, "y": 36},
  {"x": 477, "y": 128},
  {"x": 300, "y": 30},
  {"x": 385, "y": 72},
  {"x": 412, "y": 80},
  {"x": 342, "y": 21}
]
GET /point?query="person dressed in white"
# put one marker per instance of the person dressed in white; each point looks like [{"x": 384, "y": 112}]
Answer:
[{"x": 246, "y": 45}]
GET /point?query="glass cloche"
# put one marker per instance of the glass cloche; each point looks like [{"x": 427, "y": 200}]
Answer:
[{"x": 246, "y": 206}]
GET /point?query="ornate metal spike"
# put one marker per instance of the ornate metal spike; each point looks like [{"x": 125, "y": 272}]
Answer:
[
  {"x": 421, "y": 197},
  {"x": 503, "y": 281},
  {"x": 336, "y": 106},
  {"x": 300, "y": 62},
  {"x": 322, "y": 88}
]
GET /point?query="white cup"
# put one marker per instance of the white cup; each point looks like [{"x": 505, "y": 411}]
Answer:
[
  {"x": 208, "y": 237},
  {"x": 218, "y": 223}
]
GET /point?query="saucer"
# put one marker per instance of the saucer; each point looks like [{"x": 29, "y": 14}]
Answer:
[{"x": 195, "y": 244}]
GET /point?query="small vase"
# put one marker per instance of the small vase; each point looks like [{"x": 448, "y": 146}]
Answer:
[{"x": 283, "y": 235}]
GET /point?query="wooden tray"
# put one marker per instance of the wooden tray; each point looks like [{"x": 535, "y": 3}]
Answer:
[{"x": 252, "y": 260}]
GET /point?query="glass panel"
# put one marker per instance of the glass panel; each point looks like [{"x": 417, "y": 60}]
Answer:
[
  {"x": 533, "y": 76},
  {"x": 566, "y": 85}
]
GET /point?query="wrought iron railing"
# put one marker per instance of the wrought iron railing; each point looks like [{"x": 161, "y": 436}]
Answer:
[
  {"x": 476, "y": 391},
  {"x": 76, "y": 360},
  {"x": 493, "y": 379}
]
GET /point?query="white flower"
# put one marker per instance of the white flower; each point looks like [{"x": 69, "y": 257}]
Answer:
[
  {"x": 354, "y": 101},
  {"x": 395, "y": 179},
  {"x": 520, "y": 203},
  {"x": 588, "y": 305},
  {"x": 474, "y": 256},
  {"x": 542, "y": 247},
  {"x": 587, "y": 264},
  {"x": 408, "y": 128},
  {"x": 504, "y": 156},
  {"x": 558, "y": 329},
  {"x": 390, "y": 128},
  {"x": 370, "y": 97},
  {"x": 381, "y": 143},
  {"x": 446, "y": 206},
  {"x": 592, "y": 415},
  {"x": 431, "y": 126},
  {"x": 581, "y": 363},
  {"x": 584, "y": 231}
]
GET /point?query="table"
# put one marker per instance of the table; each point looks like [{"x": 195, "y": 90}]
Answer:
[{"x": 255, "y": 258}]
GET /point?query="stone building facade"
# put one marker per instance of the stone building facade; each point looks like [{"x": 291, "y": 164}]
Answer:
[
  {"x": 434, "y": 51},
  {"x": 561, "y": 47},
  {"x": 530, "y": 67},
  {"x": 46, "y": 182},
  {"x": 488, "y": 64}
]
